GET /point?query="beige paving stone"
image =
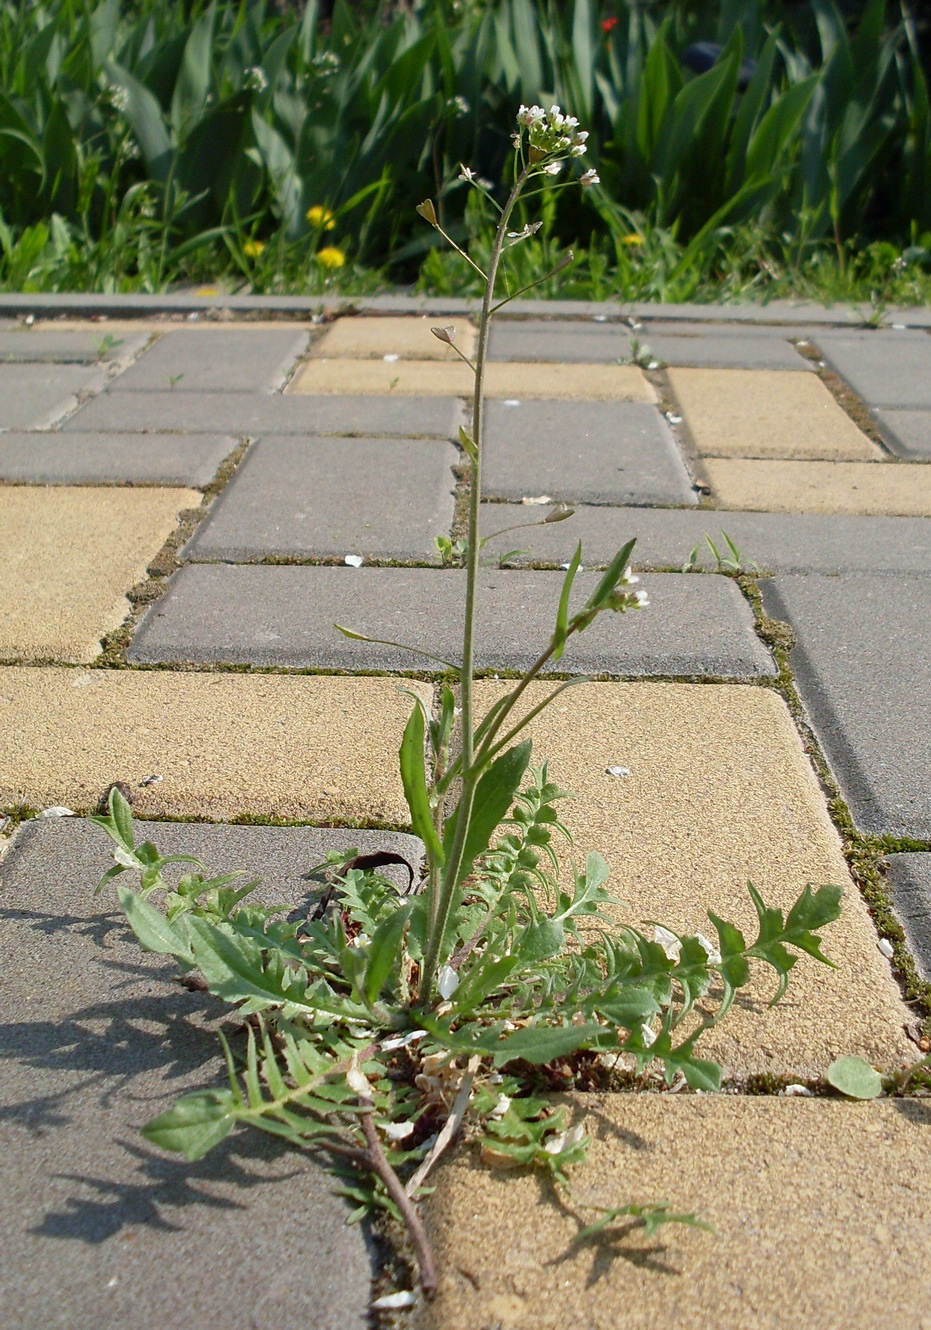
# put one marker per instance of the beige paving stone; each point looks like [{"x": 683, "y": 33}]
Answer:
[
  {"x": 720, "y": 793},
  {"x": 69, "y": 555},
  {"x": 872, "y": 489},
  {"x": 302, "y": 747},
  {"x": 766, "y": 413},
  {"x": 419, "y": 378},
  {"x": 399, "y": 338},
  {"x": 821, "y": 1210}
]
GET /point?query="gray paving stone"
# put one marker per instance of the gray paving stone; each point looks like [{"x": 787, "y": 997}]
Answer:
[
  {"x": 284, "y": 615},
  {"x": 594, "y": 452},
  {"x": 775, "y": 542},
  {"x": 256, "y": 414},
  {"x": 908, "y": 433},
  {"x": 233, "y": 360},
  {"x": 100, "y": 1228},
  {"x": 103, "y": 459},
  {"x": 723, "y": 351},
  {"x": 63, "y": 347},
  {"x": 886, "y": 368},
  {"x": 37, "y": 396},
  {"x": 560, "y": 340},
  {"x": 864, "y": 673},
  {"x": 909, "y": 883},
  {"x": 318, "y": 497}
]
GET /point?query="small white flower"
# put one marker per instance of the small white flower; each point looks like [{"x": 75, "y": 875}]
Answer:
[
  {"x": 648, "y": 1036},
  {"x": 640, "y": 599},
  {"x": 353, "y": 560},
  {"x": 460, "y": 106},
  {"x": 589, "y": 178},
  {"x": 125, "y": 858},
  {"x": 255, "y": 79},
  {"x": 710, "y": 950},
  {"x": 668, "y": 941},
  {"x": 552, "y": 168},
  {"x": 466, "y": 173},
  {"x": 447, "y": 981}
]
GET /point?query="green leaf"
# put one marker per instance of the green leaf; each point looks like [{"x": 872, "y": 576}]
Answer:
[
  {"x": 539, "y": 941},
  {"x": 494, "y": 795},
  {"x": 543, "y": 1043},
  {"x": 152, "y": 928},
  {"x": 414, "y": 780},
  {"x": 196, "y": 1124},
  {"x": 855, "y": 1078},
  {"x": 562, "y": 614},
  {"x": 610, "y": 577},
  {"x": 383, "y": 951}
]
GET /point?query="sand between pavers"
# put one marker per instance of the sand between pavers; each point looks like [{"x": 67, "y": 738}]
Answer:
[
  {"x": 872, "y": 489},
  {"x": 405, "y": 338},
  {"x": 422, "y": 378},
  {"x": 821, "y": 1210},
  {"x": 69, "y": 555},
  {"x": 720, "y": 792},
  {"x": 766, "y": 413},
  {"x": 302, "y": 747}
]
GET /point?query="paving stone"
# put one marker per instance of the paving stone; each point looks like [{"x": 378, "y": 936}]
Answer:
[
  {"x": 766, "y": 413},
  {"x": 864, "y": 673},
  {"x": 604, "y": 453},
  {"x": 99, "y": 459},
  {"x": 281, "y": 746},
  {"x": 561, "y": 341},
  {"x": 573, "y": 383},
  {"x": 721, "y": 351},
  {"x": 233, "y": 360},
  {"x": 318, "y": 497},
  {"x": 97, "y": 1039},
  {"x": 909, "y": 883},
  {"x": 658, "y": 326},
  {"x": 278, "y": 615},
  {"x": 69, "y": 556},
  {"x": 720, "y": 792},
  {"x": 867, "y": 488},
  {"x": 891, "y": 369},
  {"x": 391, "y": 338},
  {"x": 255, "y": 414},
  {"x": 66, "y": 346},
  {"x": 819, "y": 1211},
  {"x": 37, "y": 396},
  {"x": 908, "y": 433},
  {"x": 774, "y": 542}
]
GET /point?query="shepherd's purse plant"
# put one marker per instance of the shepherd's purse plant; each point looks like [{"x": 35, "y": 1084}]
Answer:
[{"x": 382, "y": 1026}]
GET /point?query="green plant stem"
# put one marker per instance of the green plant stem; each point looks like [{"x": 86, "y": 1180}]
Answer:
[{"x": 441, "y": 903}]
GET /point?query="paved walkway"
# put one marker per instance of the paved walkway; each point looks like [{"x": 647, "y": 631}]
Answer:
[{"x": 187, "y": 503}]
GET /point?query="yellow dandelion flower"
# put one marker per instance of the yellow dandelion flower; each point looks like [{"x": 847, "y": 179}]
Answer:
[
  {"x": 321, "y": 218},
  {"x": 253, "y": 248},
  {"x": 330, "y": 257},
  {"x": 632, "y": 239}
]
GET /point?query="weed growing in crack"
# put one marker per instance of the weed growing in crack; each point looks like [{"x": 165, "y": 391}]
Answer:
[{"x": 383, "y": 1026}]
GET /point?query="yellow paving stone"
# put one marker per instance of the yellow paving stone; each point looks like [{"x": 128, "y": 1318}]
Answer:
[
  {"x": 720, "y": 792},
  {"x": 894, "y": 489},
  {"x": 821, "y": 1210},
  {"x": 69, "y": 555},
  {"x": 425, "y": 378},
  {"x": 404, "y": 338},
  {"x": 766, "y": 413},
  {"x": 300, "y": 747}
]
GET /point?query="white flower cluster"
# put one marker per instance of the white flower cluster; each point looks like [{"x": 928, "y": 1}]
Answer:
[
  {"x": 255, "y": 79},
  {"x": 551, "y": 132},
  {"x": 117, "y": 96}
]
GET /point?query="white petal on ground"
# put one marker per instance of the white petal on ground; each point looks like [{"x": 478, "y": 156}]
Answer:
[
  {"x": 394, "y": 1301},
  {"x": 886, "y": 947},
  {"x": 353, "y": 560},
  {"x": 396, "y": 1131},
  {"x": 617, "y": 771},
  {"x": 57, "y": 810},
  {"x": 447, "y": 981}
]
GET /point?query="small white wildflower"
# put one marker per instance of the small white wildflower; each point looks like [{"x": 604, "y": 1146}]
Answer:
[
  {"x": 553, "y": 168},
  {"x": 648, "y": 1036},
  {"x": 460, "y": 106},
  {"x": 125, "y": 858},
  {"x": 668, "y": 941},
  {"x": 353, "y": 560},
  {"x": 710, "y": 950},
  {"x": 255, "y": 79},
  {"x": 447, "y": 981},
  {"x": 397, "y": 1131},
  {"x": 466, "y": 173},
  {"x": 589, "y": 178},
  {"x": 628, "y": 576},
  {"x": 118, "y": 97},
  {"x": 640, "y": 600},
  {"x": 886, "y": 947}
]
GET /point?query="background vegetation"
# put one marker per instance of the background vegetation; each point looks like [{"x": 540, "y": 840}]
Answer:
[{"x": 279, "y": 147}]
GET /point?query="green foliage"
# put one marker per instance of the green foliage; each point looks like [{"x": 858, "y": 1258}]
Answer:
[{"x": 854, "y": 1078}]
